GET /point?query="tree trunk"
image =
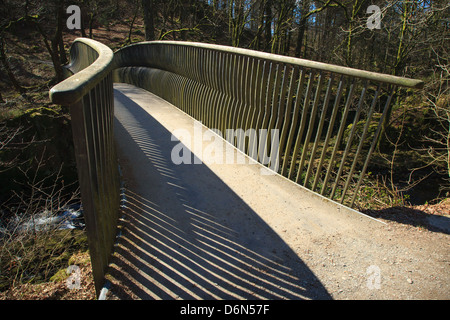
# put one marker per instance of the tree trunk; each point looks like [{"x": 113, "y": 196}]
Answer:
[
  {"x": 357, "y": 5},
  {"x": 83, "y": 32},
  {"x": 400, "y": 58},
  {"x": 7, "y": 67},
  {"x": 398, "y": 67},
  {"x": 91, "y": 24},
  {"x": 149, "y": 27},
  {"x": 52, "y": 48},
  {"x": 261, "y": 24},
  {"x": 302, "y": 27},
  {"x": 57, "y": 41},
  {"x": 268, "y": 26},
  {"x": 132, "y": 24},
  {"x": 62, "y": 52}
]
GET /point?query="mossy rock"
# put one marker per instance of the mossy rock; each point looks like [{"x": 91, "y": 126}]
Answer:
[
  {"x": 360, "y": 125},
  {"x": 42, "y": 256},
  {"x": 80, "y": 258},
  {"x": 59, "y": 276}
]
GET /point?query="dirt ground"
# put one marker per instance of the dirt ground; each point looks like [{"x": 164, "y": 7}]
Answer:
[
  {"x": 416, "y": 262},
  {"x": 426, "y": 273}
]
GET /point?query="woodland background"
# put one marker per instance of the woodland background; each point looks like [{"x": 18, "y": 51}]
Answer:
[{"x": 37, "y": 167}]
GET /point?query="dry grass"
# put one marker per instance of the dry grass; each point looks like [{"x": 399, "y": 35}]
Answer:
[{"x": 57, "y": 290}]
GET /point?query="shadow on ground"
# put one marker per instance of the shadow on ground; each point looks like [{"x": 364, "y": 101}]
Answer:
[
  {"x": 187, "y": 235},
  {"x": 413, "y": 217}
]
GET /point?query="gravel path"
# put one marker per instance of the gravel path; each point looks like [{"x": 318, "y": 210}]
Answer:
[{"x": 217, "y": 231}]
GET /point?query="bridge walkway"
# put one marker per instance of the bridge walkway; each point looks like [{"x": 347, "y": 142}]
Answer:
[{"x": 222, "y": 231}]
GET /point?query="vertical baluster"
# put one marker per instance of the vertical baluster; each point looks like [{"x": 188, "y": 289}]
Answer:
[
  {"x": 87, "y": 179},
  {"x": 248, "y": 107},
  {"x": 99, "y": 136},
  {"x": 261, "y": 98},
  {"x": 236, "y": 66},
  {"x": 181, "y": 79},
  {"x": 339, "y": 136},
  {"x": 293, "y": 124},
  {"x": 102, "y": 160},
  {"x": 312, "y": 120},
  {"x": 189, "y": 54},
  {"x": 329, "y": 132},
  {"x": 373, "y": 145},
  {"x": 207, "y": 94},
  {"x": 175, "y": 88},
  {"x": 201, "y": 84},
  {"x": 214, "y": 96},
  {"x": 274, "y": 106},
  {"x": 111, "y": 142},
  {"x": 196, "y": 100},
  {"x": 287, "y": 116},
  {"x": 280, "y": 101},
  {"x": 232, "y": 69},
  {"x": 215, "y": 69},
  {"x": 243, "y": 92},
  {"x": 266, "y": 106},
  {"x": 350, "y": 139},
  {"x": 305, "y": 110},
  {"x": 283, "y": 109},
  {"x": 92, "y": 146},
  {"x": 319, "y": 130},
  {"x": 110, "y": 185},
  {"x": 253, "y": 119},
  {"x": 221, "y": 91},
  {"x": 361, "y": 142},
  {"x": 225, "y": 79},
  {"x": 230, "y": 81},
  {"x": 238, "y": 75},
  {"x": 207, "y": 91},
  {"x": 223, "y": 96},
  {"x": 250, "y": 91},
  {"x": 184, "y": 79}
]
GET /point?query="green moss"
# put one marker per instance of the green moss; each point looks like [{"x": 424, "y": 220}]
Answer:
[
  {"x": 39, "y": 257},
  {"x": 59, "y": 276}
]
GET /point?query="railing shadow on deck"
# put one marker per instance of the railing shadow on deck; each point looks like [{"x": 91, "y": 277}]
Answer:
[{"x": 191, "y": 246}]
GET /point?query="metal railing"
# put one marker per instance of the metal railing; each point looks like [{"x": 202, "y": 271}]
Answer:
[
  {"x": 325, "y": 119},
  {"x": 88, "y": 92}
]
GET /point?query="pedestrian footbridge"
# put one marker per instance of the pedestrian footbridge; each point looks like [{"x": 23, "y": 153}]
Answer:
[{"x": 211, "y": 172}]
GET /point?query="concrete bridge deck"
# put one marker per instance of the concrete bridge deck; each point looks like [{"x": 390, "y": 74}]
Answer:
[{"x": 227, "y": 231}]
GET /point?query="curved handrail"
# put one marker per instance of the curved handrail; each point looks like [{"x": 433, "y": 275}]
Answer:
[
  {"x": 123, "y": 59},
  {"x": 328, "y": 118},
  {"x": 72, "y": 89}
]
